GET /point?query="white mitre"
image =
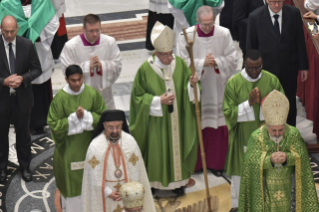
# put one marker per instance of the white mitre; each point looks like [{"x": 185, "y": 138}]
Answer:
[
  {"x": 162, "y": 37},
  {"x": 132, "y": 194}
]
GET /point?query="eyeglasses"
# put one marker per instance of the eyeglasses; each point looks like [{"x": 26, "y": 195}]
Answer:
[
  {"x": 111, "y": 128},
  {"x": 254, "y": 69},
  {"x": 207, "y": 25},
  {"x": 166, "y": 55},
  {"x": 92, "y": 31},
  {"x": 276, "y": 2}
]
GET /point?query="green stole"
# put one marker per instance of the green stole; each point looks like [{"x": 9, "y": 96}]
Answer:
[
  {"x": 41, "y": 13},
  {"x": 190, "y": 7}
]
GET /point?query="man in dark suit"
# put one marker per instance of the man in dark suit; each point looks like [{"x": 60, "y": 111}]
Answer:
[
  {"x": 19, "y": 65},
  {"x": 241, "y": 11},
  {"x": 276, "y": 30}
]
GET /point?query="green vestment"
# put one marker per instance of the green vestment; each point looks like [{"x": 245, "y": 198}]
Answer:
[
  {"x": 165, "y": 158},
  {"x": 41, "y": 13},
  {"x": 71, "y": 148},
  {"x": 237, "y": 91},
  {"x": 190, "y": 7},
  {"x": 263, "y": 188}
]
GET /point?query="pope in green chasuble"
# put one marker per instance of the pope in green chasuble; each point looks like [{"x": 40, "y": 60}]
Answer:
[
  {"x": 168, "y": 143},
  {"x": 265, "y": 189}
]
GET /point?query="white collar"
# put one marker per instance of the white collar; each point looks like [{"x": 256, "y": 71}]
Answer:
[
  {"x": 6, "y": 43},
  {"x": 160, "y": 64},
  {"x": 272, "y": 13},
  {"x": 68, "y": 90},
  {"x": 87, "y": 39},
  {"x": 247, "y": 77}
]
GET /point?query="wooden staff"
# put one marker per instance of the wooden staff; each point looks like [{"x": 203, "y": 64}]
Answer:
[{"x": 189, "y": 48}]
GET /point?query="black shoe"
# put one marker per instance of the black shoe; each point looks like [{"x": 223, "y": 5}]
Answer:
[
  {"x": 234, "y": 210},
  {"x": 3, "y": 176},
  {"x": 26, "y": 175},
  {"x": 217, "y": 173},
  {"x": 179, "y": 191}
]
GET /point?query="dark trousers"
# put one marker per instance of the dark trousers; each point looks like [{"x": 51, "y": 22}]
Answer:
[
  {"x": 21, "y": 122},
  {"x": 289, "y": 85}
]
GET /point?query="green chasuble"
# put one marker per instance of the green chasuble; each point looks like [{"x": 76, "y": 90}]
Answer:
[
  {"x": 168, "y": 143},
  {"x": 190, "y": 7},
  {"x": 237, "y": 91},
  {"x": 72, "y": 148},
  {"x": 263, "y": 188},
  {"x": 41, "y": 13}
]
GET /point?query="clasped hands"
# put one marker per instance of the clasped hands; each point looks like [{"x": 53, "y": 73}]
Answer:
[
  {"x": 80, "y": 112},
  {"x": 278, "y": 157},
  {"x": 13, "y": 81},
  {"x": 254, "y": 97},
  {"x": 210, "y": 61},
  {"x": 95, "y": 62}
]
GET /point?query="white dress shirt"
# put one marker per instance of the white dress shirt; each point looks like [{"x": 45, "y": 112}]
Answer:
[{"x": 273, "y": 19}]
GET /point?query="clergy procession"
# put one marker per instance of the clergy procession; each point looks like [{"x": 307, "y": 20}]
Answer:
[{"x": 205, "y": 118}]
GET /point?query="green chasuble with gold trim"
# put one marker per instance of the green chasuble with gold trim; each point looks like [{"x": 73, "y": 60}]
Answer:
[
  {"x": 72, "y": 148},
  {"x": 237, "y": 91},
  {"x": 41, "y": 13},
  {"x": 265, "y": 189},
  {"x": 168, "y": 143},
  {"x": 190, "y": 7}
]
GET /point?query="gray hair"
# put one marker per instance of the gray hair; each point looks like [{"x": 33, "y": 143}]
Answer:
[
  {"x": 8, "y": 16},
  {"x": 204, "y": 10}
]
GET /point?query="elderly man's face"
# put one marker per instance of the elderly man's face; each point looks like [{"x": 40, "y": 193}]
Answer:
[
  {"x": 276, "y": 132},
  {"x": 206, "y": 22},
  {"x": 275, "y": 5},
  {"x": 92, "y": 31},
  {"x": 113, "y": 130},
  {"x": 9, "y": 29},
  {"x": 165, "y": 57}
]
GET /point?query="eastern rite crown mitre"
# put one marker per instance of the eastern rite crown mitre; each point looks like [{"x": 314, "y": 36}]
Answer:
[
  {"x": 132, "y": 194},
  {"x": 275, "y": 108},
  {"x": 162, "y": 37}
]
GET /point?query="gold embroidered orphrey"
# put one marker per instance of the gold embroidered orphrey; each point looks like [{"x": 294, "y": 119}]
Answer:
[
  {"x": 93, "y": 162},
  {"x": 133, "y": 159},
  {"x": 118, "y": 209},
  {"x": 279, "y": 195},
  {"x": 117, "y": 186}
]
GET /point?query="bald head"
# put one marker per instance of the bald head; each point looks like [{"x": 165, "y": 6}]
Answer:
[
  {"x": 9, "y": 28},
  {"x": 10, "y": 20}
]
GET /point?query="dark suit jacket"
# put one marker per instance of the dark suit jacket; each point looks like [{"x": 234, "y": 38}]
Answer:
[
  {"x": 241, "y": 11},
  {"x": 27, "y": 65},
  {"x": 282, "y": 56}
]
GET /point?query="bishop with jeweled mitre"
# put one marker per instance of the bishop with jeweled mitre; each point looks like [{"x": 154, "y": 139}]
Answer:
[{"x": 263, "y": 188}]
